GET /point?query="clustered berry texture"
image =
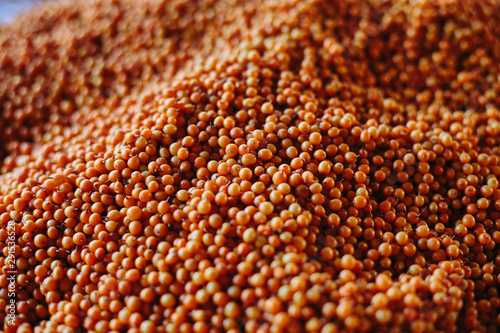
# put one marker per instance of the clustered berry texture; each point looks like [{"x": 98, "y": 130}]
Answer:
[{"x": 260, "y": 166}]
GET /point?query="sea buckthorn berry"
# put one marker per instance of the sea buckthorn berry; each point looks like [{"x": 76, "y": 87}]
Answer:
[
  {"x": 433, "y": 244},
  {"x": 267, "y": 108}
]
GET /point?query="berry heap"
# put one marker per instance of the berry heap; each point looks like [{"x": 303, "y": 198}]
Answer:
[{"x": 259, "y": 166}]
